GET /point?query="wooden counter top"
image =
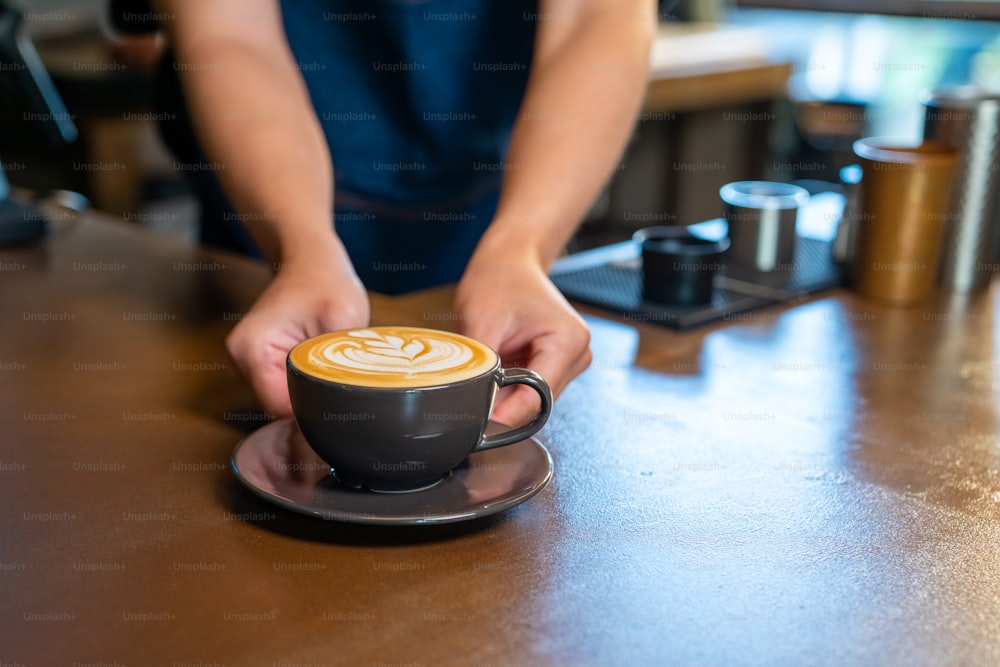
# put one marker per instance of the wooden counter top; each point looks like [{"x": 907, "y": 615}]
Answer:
[
  {"x": 704, "y": 66},
  {"x": 809, "y": 485}
]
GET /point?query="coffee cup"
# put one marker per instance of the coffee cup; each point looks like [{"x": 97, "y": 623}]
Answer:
[
  {"x": 394, "y": 409},
  {"x": 903, "y": 205},
  {"x": 678, "y": 266}
]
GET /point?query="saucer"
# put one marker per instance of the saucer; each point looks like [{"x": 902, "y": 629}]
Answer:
[{"x": 276, "y": 464}]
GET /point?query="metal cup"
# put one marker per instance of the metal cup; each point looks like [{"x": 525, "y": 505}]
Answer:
[
  {"x": 902, "y": 205},
  {"x": 967, "y": 119},
  {"x": 761, "y": 217},
  {"x": 845, "y": 242}
]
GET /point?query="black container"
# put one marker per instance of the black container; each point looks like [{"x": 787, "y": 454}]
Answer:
[{"x": 678, "y": 267}]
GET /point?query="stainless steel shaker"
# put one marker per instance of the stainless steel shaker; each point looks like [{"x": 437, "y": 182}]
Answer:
[
  {"x": 762, "y": 217},
  {"x": 967, "y": 119}
]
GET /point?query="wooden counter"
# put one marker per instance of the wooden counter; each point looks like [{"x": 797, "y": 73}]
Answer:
[
  {"x": 809, "y": 485},
  {"x": 694, "y": 67}
]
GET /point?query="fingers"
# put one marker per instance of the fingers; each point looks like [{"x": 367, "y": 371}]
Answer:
[
  {"x": 263, "y": 366},
  {"x": 530, "y": 324},
  {"x": 270, "y": 384},
  {"x": 517, "y": 407},
  {"x": 293, "y": 308},
  {"x": 558, "y": 357},
  {"x": 485, "y": 332}
]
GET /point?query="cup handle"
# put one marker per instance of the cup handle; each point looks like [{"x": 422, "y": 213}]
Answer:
[{"x": 509, "y": 376}]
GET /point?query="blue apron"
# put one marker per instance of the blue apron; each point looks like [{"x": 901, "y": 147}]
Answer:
[{"x": 417, "y": 100}]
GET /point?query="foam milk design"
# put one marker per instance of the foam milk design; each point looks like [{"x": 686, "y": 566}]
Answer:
[{"x": 393, "y": 357}]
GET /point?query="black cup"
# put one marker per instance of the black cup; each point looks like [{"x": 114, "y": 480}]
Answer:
[
  {"x": 678, "y": 267},
  {"x": 405, "y": 439}
]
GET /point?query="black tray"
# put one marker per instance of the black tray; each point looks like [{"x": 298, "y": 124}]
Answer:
[{"x": 611, "y": 277}]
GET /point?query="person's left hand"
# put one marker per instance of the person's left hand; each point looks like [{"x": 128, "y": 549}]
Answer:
[{"x": 513, "y": 307}]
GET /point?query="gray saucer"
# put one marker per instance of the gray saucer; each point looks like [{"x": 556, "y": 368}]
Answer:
[{"x": 276, "y": 463}]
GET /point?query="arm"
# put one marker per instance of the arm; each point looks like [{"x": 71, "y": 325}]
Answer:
[
  {"x": 253, "y": 117},
  {"x": 587, "y": 82}
]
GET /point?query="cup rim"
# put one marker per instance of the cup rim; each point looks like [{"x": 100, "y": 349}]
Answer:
[
  {"x": 669, "y": 232},
  {"x": 964, "y": 97},
  {"x": 290, "y": 366},
  {"x": 885, "y": 149},
  {"x": 363, "y": 387},
  {"x": 674, "y": 248},
  {"x": 748, "y": 194}
]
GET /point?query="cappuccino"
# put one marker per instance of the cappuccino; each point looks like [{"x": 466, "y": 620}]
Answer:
[{"x": 393, "y": 357}]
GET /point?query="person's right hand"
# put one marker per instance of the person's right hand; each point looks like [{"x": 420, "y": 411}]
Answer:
[{"x": 303, "y": 300}]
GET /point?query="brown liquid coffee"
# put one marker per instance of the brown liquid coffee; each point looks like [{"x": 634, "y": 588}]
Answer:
[{"x": 393, "y": 357}]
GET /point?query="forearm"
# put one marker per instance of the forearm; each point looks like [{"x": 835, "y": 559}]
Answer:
[
  {"x": 577, "y": 115},
  {"x": 261, "y": 137}
]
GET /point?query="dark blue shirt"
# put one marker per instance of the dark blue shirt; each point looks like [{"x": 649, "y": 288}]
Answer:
[{"x": 417, "y": 100}]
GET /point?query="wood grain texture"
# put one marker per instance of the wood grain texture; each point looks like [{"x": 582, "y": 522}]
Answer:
[
  {"x": 803, "y": 485},
  {"x": 699, "y": 66},
  {"x": 712, "y": 88}
]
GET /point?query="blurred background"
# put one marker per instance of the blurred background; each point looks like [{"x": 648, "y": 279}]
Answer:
[{"x": 740, "y": 89}]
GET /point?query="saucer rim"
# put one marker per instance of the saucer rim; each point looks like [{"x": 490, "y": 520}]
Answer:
[{"x": 488, "y": 508}]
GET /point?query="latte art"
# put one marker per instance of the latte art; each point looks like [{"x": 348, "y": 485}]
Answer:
[
  {"x": 377, "y": 353},
  {"x": 393, "y": 357}
]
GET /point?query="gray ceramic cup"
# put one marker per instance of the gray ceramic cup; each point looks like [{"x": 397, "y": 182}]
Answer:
[{"x": 394, "y": 439}]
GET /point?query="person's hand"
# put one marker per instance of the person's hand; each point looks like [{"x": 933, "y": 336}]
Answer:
[
  {"x": 303, "y": 300},
  {"x": 513, "y": 307}
]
